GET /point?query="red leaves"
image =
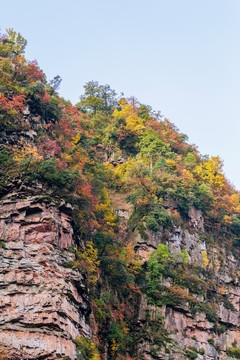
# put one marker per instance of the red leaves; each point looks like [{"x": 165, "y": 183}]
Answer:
[
  {"x": 49, "y": 148},
  {"x": 72, "y": 110},
  {"x": 46, "y": 98},
  {"x": 33, "y": 73},
  {"x": 86, "y": 191},
  {"x": 16, "y": 103}
]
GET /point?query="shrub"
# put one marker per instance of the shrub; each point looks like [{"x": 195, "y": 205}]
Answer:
[
  {"x": 49, "y": 171},
  {"x": 116, "y": 271},
  {"x": 227, "y": 304},
  {"x": 86, "y": 349},
  {"x": 152, "y": 224},
  {"x": 211, "y": 313},
  {"x": 119, "y": 338},
  {"x": 233, "y": 352},
  {"x": 211, "y": 341},
  {"x": 157, "y": 218},
  {"x": 236, "y": 224},
  {"x": 191, "y": 354},
  {"x": 86, "y": 262}
]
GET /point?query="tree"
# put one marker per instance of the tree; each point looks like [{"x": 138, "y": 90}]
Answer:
[
  {"x": 211, "y": 172},
  {"x": 98, "y": 97},
  {"x": 55, "y": 83},
  {"x": 150, "y": 144},
  {"x": 12, "y": 44}
]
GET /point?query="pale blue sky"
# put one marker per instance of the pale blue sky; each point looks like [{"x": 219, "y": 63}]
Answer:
[{"x": 182, "y": 57}]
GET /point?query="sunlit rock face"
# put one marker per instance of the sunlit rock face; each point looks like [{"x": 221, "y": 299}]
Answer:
[{"x": 44, "y": 306}]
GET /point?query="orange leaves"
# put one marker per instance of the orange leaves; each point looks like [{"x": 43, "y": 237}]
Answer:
[
  {"x": 188, "y": 178},
  {"x": 86, "y": 190},
  {"x": 75, "y": 135},
  {"x": 15, "y": 104},
  {"x": 33, "y": 73},
  {"x": 46, "y": 98},
  {"x": 134, "y": 289},
  {"x": 72, "y": 110}
]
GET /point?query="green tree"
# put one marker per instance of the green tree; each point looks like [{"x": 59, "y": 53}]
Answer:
[
  {"x": 12, "y": 44},
  {"x": 98, "y": 97}
]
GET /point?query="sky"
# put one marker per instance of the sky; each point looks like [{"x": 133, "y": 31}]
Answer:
[{"x": 182, "y": 57}]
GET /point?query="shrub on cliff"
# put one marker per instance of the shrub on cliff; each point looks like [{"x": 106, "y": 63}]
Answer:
[{"x": 233, "y": 352}]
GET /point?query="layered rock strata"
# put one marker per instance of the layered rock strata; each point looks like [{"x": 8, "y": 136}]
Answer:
[
  {"x": 43, "y": 303},
  {"x": 194, "y": 333}
]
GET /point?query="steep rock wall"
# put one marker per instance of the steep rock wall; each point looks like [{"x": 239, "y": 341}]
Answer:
[
  {"x": 192, "y": 335},
  {"x": 44, "y": 306},
  {"x": 188, "y": 331}
]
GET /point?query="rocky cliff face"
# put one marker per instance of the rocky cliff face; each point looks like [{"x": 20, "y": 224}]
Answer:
[
  {"x": 44, "y": 306},
  {"x": 198, "y": 334}
]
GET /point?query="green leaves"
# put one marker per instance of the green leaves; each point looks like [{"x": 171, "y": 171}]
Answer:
[
  {"x": 157, "y": 218},
  {"x": 98, "y": 97},
  {"x": 13, "y": 44}
]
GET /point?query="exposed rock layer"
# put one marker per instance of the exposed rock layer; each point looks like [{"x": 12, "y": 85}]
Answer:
[
  {"x": 190, "y": 331},
  {"x": 195, "y": 331},
  {"x": 43, "y": 303}
]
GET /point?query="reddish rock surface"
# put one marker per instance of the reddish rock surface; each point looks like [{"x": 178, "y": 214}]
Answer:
[{"x": 43, "y": 303}]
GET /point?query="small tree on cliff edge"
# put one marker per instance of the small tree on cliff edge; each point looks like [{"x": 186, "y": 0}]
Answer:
[{"x": 98, "y": 98}]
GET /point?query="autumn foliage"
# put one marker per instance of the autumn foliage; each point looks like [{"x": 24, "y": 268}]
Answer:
[{"x": 109, "y": 144}]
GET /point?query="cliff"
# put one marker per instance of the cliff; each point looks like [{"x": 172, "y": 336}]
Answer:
[
  {"x": 200, "y": 319},
  {"x": 44, "y": 305},
  {"x": 118, "y": 239}
]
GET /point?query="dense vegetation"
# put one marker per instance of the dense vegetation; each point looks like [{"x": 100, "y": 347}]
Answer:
[{"x": 108, "y": 144}]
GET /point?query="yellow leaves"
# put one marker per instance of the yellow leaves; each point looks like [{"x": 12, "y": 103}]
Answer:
[
  {"x": 142, "y": 201},
  {"x": 121, "y": 170},
  {"x": 134, "y": 123},
  {"x": 211, "y": 171},
  {"x": 5, "y": 68},
  {"x": 189, "y": 175},
  {"x": 205, "y": 259},
  {"x": 87, "y": 348},
  {"x": 87, "y": 260},
  {"x": 122, "y": 103},
  {"x": 128, "y": 112},
  {"x": 106, "y": 209},
  {"x": 227, "y": 219},
  {"x": 16, "y": 42},
  {"x": 234, "y": 200},
  {"x": 171, "y": 164},
  {"x": 77, "y": 138},
  {"x": 29, "y": 152},
  {"x": 222, "y": 290},
  {"x": 114, "y": 346},
  {"x": 66, "y": 157},
  {"x": 133, "y": 260}
]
